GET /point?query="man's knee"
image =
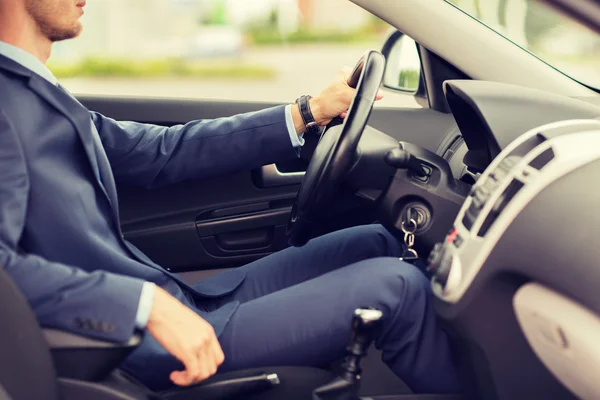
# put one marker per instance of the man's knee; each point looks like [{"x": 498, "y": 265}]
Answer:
[
  {"x": 417, "y": 286},
  {"x": 404, "y": 274},
  {"x": 377, "y": 240},
  {"x": 393, "y": 281}
]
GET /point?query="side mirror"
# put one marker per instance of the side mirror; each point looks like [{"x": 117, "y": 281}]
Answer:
[{"x": 403, "y": 64}]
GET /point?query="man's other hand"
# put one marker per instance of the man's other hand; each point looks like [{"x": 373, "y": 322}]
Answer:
[
  {"x": 186, "y": 336},
  {"x": 335, "y": 99}
]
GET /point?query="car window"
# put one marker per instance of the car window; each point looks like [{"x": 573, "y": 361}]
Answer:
[
  {"x": 545, "y": 32},
  {"x": 259, "y": 50}
]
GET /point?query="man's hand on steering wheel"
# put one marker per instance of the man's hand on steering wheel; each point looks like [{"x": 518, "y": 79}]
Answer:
[
  {"x": 331, "y": 102},
  {"x": 335, "y": 99}
]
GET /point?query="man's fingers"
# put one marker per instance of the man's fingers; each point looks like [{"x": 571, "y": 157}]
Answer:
[
  {"x": 345, "y": 73},
  {"x": 194, "y": 367},
  {"x": 346, "y": 70},
  {"x": 192, "y": 364},
  {"x": 186, "y": 336},
  {"x": 209, "y": 356},
  {"x": 191, "y": 377},
  {"x": 181, "y": 378},
  {"x": 209, "y": 363},
  {"x": 379, "y": 95},
  {"x": 218, "y": 352}
]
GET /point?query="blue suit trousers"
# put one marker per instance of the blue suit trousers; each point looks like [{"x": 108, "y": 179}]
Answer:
[{"x": 297, "y": 306}]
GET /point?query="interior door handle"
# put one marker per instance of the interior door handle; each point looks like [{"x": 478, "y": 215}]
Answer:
[{"x": 270, "y": 176}]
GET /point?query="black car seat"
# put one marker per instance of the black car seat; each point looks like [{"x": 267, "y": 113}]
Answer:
[
  {"x": 38, "y": 364},
  {"x": 26, "y": 370}
]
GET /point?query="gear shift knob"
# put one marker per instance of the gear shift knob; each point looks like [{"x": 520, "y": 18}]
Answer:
[
  {"x": 364, "y": 325},
  {"x": 365, "y": 322}
]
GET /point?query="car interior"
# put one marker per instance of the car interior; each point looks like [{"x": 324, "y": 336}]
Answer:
[{"x": 497, "y": 179}]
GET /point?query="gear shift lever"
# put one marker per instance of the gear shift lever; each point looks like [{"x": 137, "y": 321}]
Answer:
[
  {"x": 364, "y": 324},
  {"x": 345, "y": 387}
]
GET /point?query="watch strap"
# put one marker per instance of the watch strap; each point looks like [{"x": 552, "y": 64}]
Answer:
[{"x": 306, "y": 114}]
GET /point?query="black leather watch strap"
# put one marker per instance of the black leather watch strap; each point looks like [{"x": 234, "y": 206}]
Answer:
[{"x": 307, "y": 116}]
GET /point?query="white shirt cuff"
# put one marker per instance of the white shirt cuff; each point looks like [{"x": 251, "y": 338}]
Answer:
[
  {"x": 297, "y": 140},
  {"x": 145, "y": 305}
]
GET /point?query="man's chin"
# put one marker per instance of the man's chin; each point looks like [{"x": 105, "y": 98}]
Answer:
[
  {"x": 66, "y": 34},
  {"x": 79, "y": 29}
]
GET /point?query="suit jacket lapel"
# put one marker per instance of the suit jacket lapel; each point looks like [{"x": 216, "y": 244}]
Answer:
[
  {"x": 99, "y": 160},
  {"x": 80, "y": 117},
  {"x": 107, "y": 179},
  {"x": 82, "y": 121},
  {"x": 59, "y": 99},
  {"x": 10, "y": 66},
  {"x": 73, "y": 111}
]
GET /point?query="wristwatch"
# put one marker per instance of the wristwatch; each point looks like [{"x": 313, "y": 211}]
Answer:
[{"x": 306, "y": 114}]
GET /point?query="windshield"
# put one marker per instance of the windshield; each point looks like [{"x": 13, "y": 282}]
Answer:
[{"x": 545, "y": 32}]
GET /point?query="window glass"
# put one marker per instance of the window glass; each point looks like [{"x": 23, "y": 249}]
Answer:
[
  {"x": 258, "y": 50},
  {"x": 545, "y": 32}
]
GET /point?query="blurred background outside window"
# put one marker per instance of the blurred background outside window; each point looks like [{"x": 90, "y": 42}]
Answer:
[
  {"x": 543, "y": 31},
  {"x": 269, "y": 50},
  {"x": 274, "y": 50}
]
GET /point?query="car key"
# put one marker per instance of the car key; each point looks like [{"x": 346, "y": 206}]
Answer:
[{"x": 409, "y": 254}]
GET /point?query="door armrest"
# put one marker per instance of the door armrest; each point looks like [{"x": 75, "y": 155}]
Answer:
[{"x": 86, "y": 359}]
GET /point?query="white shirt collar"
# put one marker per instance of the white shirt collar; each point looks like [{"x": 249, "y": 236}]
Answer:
[{"x": 27, "y": 60}]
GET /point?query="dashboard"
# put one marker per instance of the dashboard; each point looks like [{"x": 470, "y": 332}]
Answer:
[
  {"x": 491, "y": 115},
  {"x": 515, "y": 279}
]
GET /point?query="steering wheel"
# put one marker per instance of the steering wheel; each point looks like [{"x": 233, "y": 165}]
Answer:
[{"x": 336, "y": 152}]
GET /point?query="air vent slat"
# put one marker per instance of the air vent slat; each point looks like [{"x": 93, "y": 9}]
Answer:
[
  {"x": 528, "y": 145},
  {"x": 542, "y": 159},
  {"x": 511, "y": 190}
]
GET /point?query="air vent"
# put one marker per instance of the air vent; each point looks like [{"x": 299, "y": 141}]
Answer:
[
  {"x": 505, "y": 166},
  {"x": 528, "y": 145},
  {"x": 542, "y": 159},
  {"x": 468, "y": 220},
  {"x": 510, "y": 192},
  {"x": 478, "y": 197}
]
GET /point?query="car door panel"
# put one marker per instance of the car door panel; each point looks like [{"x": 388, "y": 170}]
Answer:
[
  {"x": 220, "y": 222},
  {"x": 230, "y": 220}
]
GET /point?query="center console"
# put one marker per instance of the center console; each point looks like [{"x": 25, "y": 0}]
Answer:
[
  {"x": 521, "y": 172},
  {"x": 509, "y": 232}
]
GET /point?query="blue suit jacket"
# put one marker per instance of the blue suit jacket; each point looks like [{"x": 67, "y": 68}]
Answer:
[{"x": 60, "y": 237}]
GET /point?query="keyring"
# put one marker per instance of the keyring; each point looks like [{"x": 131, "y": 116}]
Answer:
[{"x": 412, "y": 222}]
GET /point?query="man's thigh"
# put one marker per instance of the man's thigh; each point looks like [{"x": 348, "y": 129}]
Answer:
[
  {"x": 310, "y": 323},
  {"x": 320, "y": 256}
]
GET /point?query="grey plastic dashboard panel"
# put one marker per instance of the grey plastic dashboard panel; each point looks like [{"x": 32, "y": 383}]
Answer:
[
  {"x": 563, "y": 334},
  {"x": 502, "y": 112}
]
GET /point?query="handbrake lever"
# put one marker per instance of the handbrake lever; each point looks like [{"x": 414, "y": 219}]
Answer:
[{"x": 219, "y": 388}]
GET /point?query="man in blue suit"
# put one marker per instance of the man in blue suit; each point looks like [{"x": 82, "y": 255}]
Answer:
[{"x": 61, "y": 241}]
